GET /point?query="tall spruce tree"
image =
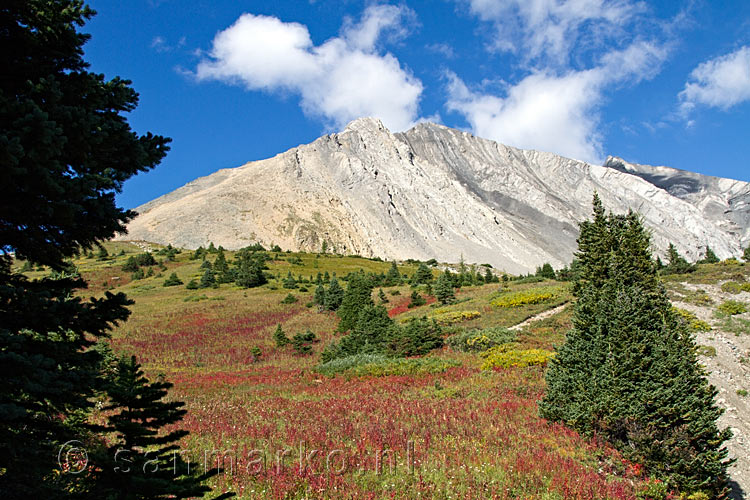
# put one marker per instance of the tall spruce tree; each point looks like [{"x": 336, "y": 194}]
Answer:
[
  {"x": 444, "y": 288},
  {"x": 66, "y": 150},
  {"x": 358, "y": 295},
  {"x": 334, "y": 295},
  {"x": 143, "y": 461},
  {"x": 628, "y": 370},
  {"x": 546, "y": 271},
  {"x": 320, "y": 295},
  {"x": 676, "y": 263},
  {"x": 250, "y": 271},
  {"x": 709, "y": 257},
  {"x": 392, "y": 277},
  {"x": 221, "y": 268},
  {"x": 422, "y": 276}
]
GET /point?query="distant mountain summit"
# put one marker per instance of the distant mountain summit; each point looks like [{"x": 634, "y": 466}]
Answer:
[{"x": 437, "y": 192}]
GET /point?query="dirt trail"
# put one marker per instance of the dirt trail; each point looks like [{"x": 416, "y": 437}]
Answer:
[
  {"x": 542, "y": 315},
  {"x": 728, "y": 371}
]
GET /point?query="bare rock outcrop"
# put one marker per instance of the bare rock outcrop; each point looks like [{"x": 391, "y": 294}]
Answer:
[{"x": 429, "y": 192}]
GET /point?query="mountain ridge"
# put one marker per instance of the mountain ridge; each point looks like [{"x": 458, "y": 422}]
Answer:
[{"x": 428, "y": 192}]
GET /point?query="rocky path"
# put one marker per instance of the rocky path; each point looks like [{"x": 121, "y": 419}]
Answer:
[
  {"x": 729, "y": 371},
  {"x": 542, "y": 315}
]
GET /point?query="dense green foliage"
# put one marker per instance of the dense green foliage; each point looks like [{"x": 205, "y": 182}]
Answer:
[
  {"x": 375, "y": 333},
  {"x": 334, "y": 295},
  {"x": 480, "y": 340},
  {"x": 250, "y": 270},
  {"x": 392, "y": 277},
  {"x": 709, "y": 257},
  {"x": 545, "y": 271},
  {"x": 279, "y": 336},
  {"x": 676, "y": 263},
  {"x": 358, "y": 295},
  {"x": 416, "y": 299},
  {"x": 444, "y": 289},
  {"x": 628, "y": 370},
  {"x": 67, "y": 149},
  {"x": 172, "y": 280},
  {"x": 143, "y": 461},
  {"x": 422, "y": 276}
]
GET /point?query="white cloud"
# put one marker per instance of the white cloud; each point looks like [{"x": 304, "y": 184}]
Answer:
[
  {"x": 159, "y": 44},
  {"x": 547, "y": 30},
  {"x": 342, "y": 79},
  {"x": 721, "y": 82},
  {"x": 442, "y": 48},
  {"x": 554, "y": 112}
]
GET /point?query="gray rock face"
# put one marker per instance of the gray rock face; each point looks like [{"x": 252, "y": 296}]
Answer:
[
  {"x": 432, "y": 192},
  {"x": 725, "y": 202}
]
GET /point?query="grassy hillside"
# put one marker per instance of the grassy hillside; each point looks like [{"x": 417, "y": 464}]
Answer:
[{"x": 434, "y": 427}]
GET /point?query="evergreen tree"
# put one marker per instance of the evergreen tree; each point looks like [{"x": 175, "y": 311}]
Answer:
[
  {"x": 368, "y": 334},
  {"x": 358, "y": 295},
  {"x": 192, "y": 285},
  {"x": 422, "y": 276},
  {"x": 302, "y": 342},
  {"x": 143, "y": 462},
  {"x": 320, "y": 295},
  {"x": 208, "y": 279},
  {"x": 130, "y": 265},
  {"x": 746, "y": 255},
  {"x": 392, "y": 277},
  {"x": 489, "y": 277},
  {"x": 709, "y": 257},
  {"x": 250, "y": 272},
  {"x": 416, "y": 300},
  {"x": 221, "y": 268},
  {"x": 659, "y": 265},
  {"x": 677, "y": 263},
  {"x": 334, "y": 295},
  {"x": 280, "y": 337},
  {"x": 172, "y": 280},
  {"x": 417, "y": 337},
  {"x": 66, "y": 148},
  {"x": 444, "y": 289},
  {"x": 381, "y": 296},
  {"x": 546, "y": 271},
  {"x": 289, "y": 282},
  {"x": 211, "y": 248},
  {"x": 628, "y": 370},
  {"x": 102, "y": 254},
  {"x": 200, "y": 253}
]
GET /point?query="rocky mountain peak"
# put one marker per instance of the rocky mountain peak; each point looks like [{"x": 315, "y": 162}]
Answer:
[{"x": 437, "y": 192}]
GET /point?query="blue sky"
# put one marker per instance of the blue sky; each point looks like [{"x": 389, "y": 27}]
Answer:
[{"x": 661, "y": 83}]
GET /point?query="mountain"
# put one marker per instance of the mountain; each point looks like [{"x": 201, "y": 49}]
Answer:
[
  {"x": 725, "y": 202},
  {"x": 437, "y": 192}
]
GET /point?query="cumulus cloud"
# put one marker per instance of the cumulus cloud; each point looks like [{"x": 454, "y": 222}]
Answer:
[
  {"x": 554, "y": 112},
  {"x": 721, "y": 82},
  {"x": 547, "y": 30},
  {"x": 344, "y": 78}
]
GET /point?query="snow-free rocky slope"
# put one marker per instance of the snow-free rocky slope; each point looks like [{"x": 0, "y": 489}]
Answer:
[{"x": 437, "y": 192}]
